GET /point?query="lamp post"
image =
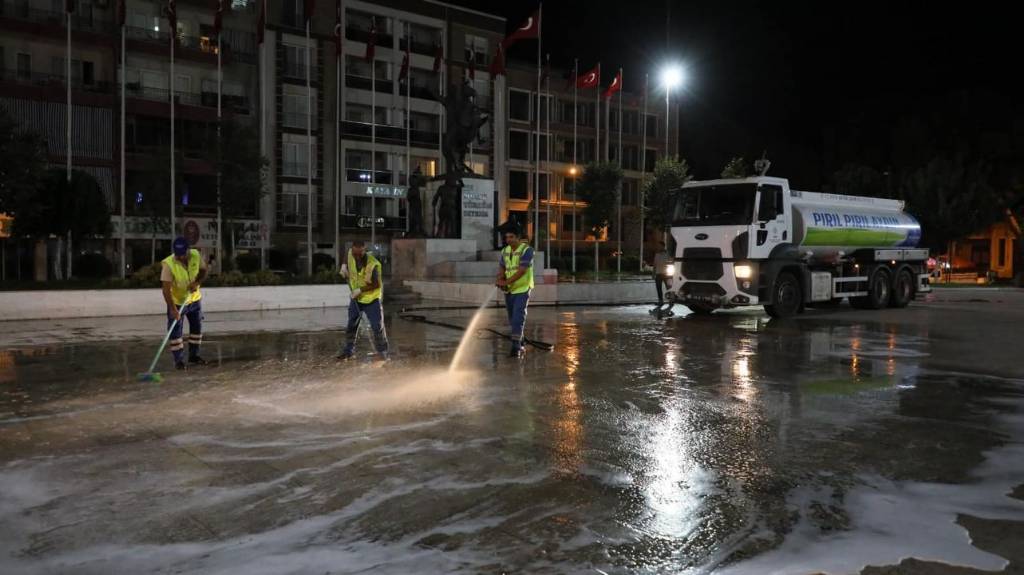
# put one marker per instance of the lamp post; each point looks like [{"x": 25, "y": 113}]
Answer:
[
  {"x": 572, "y": 174},
  {"x": 671, "y": 77}
]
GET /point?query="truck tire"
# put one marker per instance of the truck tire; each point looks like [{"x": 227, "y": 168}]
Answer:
[
  {"x": 787, "y": 297},
  {"x": 879, "y": 291},
  {"x": 902, "y": 289}
]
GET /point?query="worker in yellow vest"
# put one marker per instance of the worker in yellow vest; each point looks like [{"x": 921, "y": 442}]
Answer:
[
  {"x": 515, "y": 277},
  {"x": 180, "y": 275},
  {"x": 362, "y": 271}
]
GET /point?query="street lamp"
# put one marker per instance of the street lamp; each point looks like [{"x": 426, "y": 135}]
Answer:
[
  {"x": 573, "y": 170},
  {"x": 671, "y": 77}
]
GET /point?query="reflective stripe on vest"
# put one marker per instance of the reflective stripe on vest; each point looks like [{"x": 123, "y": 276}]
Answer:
[
  {"x": 357, "y": 279},
  {"x": 183, "y": 276},
  {"x": 511, "y": 259}
]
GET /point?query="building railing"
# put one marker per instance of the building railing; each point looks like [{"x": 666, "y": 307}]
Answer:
[
  {"x": 363, "y": 35},
  {"x": 21, "y": 10},
  {"x": 234, "y": 103},
  {"x": 237, "y": 44},
  {"x": 295, "y": 119},
  {"x": 294, "y": 71},
  {"x": 391, "y": 134},
  {"x": 418, "y": 46},
  {"x": 36, "y": 79},
  {"x": 294, "y": 169},
  {"x": 363, "y": 175},
  {"x": 365, "y": 83}
]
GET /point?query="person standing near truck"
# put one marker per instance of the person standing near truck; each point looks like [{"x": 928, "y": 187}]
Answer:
[
  {"x": 662, "y": 275},
  {"x": 515, "y": 277}
]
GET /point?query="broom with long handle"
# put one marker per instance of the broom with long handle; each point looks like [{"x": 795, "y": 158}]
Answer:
[{"x": 154, "y": 376}]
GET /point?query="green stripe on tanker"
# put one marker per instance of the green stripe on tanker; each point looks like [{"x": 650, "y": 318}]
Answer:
[{"x": 852, "y": 237}]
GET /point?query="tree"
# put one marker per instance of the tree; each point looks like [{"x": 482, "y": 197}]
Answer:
[
  {"x": 599, "y": 189},
  {"x": 71, "y": 210},
  {"x": 859, "y": 180},
  {"x": 242, "y": 171},
  {"x": 22, "y": 164},
  {"x": 736, "y": 168},
  {"x": 660, "y": 192},
  {"x": 951, "y": 197}
]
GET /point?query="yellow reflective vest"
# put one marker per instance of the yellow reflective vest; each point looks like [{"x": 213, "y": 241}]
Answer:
[
  {"x": 358, "y": 279},
  {"x": 511, "y": 259},
  {"x": 184, "y": 275}
]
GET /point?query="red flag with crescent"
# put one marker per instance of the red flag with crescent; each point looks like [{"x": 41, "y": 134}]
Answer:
[
  {"x": 498, "y": 63},
  {"x": 589, "y": 80},
  {"x": 371, "y": 44},
  {"x": 615, "y": 86},
  {"x": 438, "y": 57},
  {"x": 218, "y": 17},
  {"x": 530, "y": 30}
]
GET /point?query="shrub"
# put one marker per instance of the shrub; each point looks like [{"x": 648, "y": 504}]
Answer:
[
  {"x": 148, "y": 276},
  {"x": 92, "y": 266},
  {"x": 248, "y": 263},
  {"x": 630, "y": 264},
  {"x": 322, "y": 261},
  {"x": 286, "y": 260}
]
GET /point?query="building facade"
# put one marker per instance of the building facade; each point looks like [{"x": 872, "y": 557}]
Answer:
[{"x": 331, "y": 123}]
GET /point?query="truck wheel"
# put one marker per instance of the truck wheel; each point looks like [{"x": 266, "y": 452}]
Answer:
[
  {"x": 902, "y": 289},
  {"x": 787, "y": 297},
  {"x": 879, "y": 292}
]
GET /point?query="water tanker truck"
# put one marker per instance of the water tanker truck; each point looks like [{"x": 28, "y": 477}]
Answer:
[{"x": 754, "y": 241}]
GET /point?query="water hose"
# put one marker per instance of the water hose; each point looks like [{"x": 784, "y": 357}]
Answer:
[{"x": 406, "y": 315}]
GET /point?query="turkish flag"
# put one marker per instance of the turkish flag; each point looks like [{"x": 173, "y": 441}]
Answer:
[
  {"x": 371, "y": 44},
  {"x": 530, "y": 30},
  {"x": 69, "y": 6},
  {"x": 404, "y": 72},
  {"x": 261, "y": 22},
  {"x": 310, "y": 8},
  {"x": 121, "y": 12},
  {"x": 172, "y": 17},
  {"x": 218, "y": 17},
  {"x": 498, "y": 63},
  {"x": 615, "y": 86},
  {"x": 337, "y": 32},
  {"x": 472, "y": 66},
  {"x": 438, "y": 57},
  {"x": 589, "y": 80}
]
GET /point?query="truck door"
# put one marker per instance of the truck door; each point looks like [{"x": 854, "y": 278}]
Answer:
[{"x": 771, "y": 226}]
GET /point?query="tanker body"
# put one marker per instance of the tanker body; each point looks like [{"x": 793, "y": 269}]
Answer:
[{"x": 754, "y": 241}]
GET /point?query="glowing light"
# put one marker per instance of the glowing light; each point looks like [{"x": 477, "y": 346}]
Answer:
[
  {"x": 672, "y": 76},
  {"x": 743, "y": 272}
]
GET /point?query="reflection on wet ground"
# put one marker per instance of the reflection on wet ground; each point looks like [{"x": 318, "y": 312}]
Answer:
[{"x": 726, "y": 444}]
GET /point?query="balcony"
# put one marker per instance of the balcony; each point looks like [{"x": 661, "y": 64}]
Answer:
[
  {"x": 384, "y": 85},
  {"x": 363, "y": 35},
  {"x": 22, "y": 11},
  {"x": 418, "y": 46},
  {"x": 422, "y": 91},
  {"x": 233, "y": 103},
  {"x": 295, "y": 71},
  {"x": 238, "y": 45},
  {"x": 295, "y": 120},
  {"x": 390, "y": 134},
  {"x": 294, "y": 169},
  {"x": 35, "y": 79},
  {"x": 363, "y": 175}
]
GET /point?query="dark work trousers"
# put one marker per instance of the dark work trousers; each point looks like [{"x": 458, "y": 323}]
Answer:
[
  {"x": 375, "y": 313},
  {"x": 194, "y": 314}
]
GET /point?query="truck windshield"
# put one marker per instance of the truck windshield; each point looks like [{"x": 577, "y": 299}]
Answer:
[{"x": 729, "y": 204}]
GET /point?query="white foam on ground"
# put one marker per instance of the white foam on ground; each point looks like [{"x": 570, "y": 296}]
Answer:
[{"x": 892, "y": 521}]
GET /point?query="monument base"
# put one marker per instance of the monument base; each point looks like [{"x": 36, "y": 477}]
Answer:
[{"x": 475, "y": 210}]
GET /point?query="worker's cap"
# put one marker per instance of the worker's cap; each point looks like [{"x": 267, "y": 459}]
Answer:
[{"x": 180, "y": 246}]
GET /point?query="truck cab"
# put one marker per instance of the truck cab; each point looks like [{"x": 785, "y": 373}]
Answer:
[{"x": 754, "y": 241}]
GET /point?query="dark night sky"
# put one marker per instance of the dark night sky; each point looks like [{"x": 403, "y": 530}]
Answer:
[{"x": 779, "y": 75}]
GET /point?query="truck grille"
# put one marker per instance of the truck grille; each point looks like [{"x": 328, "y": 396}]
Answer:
[
  {"x": 697, "y": 289},
  {"x": 702, "y": 263}
]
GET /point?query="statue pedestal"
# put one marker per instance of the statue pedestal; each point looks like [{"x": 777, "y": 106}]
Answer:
[{"x": 476, "y": 210}]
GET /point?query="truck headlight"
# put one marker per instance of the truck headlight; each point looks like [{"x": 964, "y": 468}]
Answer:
[
  {"x": 670, "y": 270},
  {"x": 743, "y": 272}
]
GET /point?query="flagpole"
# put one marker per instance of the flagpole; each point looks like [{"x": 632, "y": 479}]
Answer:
[
  {"x": 373, "y": 149},
  {"x": 618, "y": 156},
  {"x": 220, "y": 146},
  {"x": 67, "y": 83},
  {"x": 408, "y": 122},
  {"x": 174, "y": 33},
  {"x": 337, "y": 141},
  {"x": 575, "y": 111},
  {"x": 547, "y": 161},
  {"x": 440, "y": 104},
  {"x": 643, "y": 169},
  {"x": 124, "y": 78},
  {"x": 597, "y": 115},
  {"x": 263, "y": 135},
  {"x": 309, "y": 151},
  {"x": 536, "y": 168}
]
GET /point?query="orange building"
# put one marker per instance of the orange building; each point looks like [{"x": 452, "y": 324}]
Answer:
[{"x": 990, "y": 252}]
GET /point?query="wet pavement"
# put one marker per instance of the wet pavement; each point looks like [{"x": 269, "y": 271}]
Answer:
[{"x": 843, "y": 441}]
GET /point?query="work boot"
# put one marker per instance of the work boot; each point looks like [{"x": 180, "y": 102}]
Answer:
[
  {"x": 196, "y": 360},
  {"x": 344, "y": 355},
  {"x": 179, "y": 365},
  {"x": 517, "y": 352}
]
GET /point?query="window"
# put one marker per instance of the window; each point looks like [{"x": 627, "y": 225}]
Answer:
[
  {"x": 771, "y": 203},
  {"x": 294, "y": 159},
  {"x": 24, "y": 66},
  {"x": 476, "y": 50},
  {"x": 518, "y": 185},
  {"x": 183, "y": 84},
  {"x": 569, "y": 223},
  {"x": 543, "y": 147},
  {"x": 294, "y": 61},
  {"x": 1001, "y": 253},
  {"x": 518, "y": 145},
  {"x": 520, "y": 218},
  {"x": 295, "y": 110},
  {"x": 519, "y": 105},
  {"x": 630, "y": 192},
  {"x": 294, "y": 205},
  {"x": 565, "y": 112},
  {"x": 544, "y": 188},
  {"x": 542, "y": 104},
  {"x": 630, "y": 158},
  {"x": 651, "y": 159},
  {"x": 652, "y": 126},
  {"x": 294, "y": 14},
  {"x": 586, "y": 114},
  {"x": 88, "y": 73}
]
